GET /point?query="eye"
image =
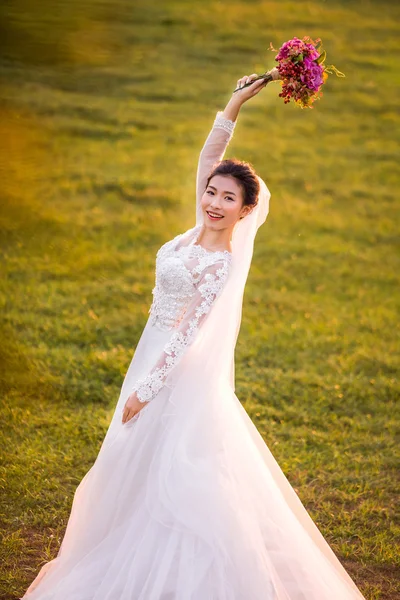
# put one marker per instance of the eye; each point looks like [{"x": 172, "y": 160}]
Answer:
[
  {"x": 229, "y": 198},
  {"x": 210, "y": 192}
]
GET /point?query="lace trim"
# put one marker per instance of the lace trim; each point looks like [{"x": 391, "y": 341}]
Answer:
[
  {"x": 147, "y": 388},
  {"x": 200, "y": 250},
  {"x": 223, "y": 123}
]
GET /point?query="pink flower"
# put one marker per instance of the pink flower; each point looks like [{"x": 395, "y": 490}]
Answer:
[{"x": 302, "y": 76}]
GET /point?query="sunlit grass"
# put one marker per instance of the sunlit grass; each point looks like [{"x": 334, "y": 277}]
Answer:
[{"x": 101, "y": 125}]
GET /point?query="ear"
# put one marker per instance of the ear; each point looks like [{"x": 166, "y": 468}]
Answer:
[{"x": 246, "y": 210}]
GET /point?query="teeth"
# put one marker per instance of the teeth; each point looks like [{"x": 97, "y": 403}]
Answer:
[{"x": 213, "y": 214}]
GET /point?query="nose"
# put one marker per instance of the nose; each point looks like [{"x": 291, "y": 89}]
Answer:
[{"x": 215, "y": 202}]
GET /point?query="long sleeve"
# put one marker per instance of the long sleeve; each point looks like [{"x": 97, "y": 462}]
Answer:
[
  {"x": 213, "y": 151},
  {"x": 208, "y": 288}
]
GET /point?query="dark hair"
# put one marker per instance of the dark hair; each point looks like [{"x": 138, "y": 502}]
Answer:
[{"x": 245, "y": 176}]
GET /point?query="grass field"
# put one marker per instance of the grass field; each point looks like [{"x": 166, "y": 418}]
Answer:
[{"x": 104, "y": 112}]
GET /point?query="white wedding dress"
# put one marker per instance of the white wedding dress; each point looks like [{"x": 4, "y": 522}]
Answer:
[{"x": 185, "y": 500}]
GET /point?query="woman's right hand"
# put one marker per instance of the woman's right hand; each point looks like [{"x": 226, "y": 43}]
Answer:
[{"x": 132, "y": 406}]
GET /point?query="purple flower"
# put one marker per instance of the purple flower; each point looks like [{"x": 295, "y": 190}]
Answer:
[
  {"x": 311, "y": 74},
  {"x": 302, "y": 77},
  {"x": 316, "y": 78},
  {"x": 311, "y": 51}
]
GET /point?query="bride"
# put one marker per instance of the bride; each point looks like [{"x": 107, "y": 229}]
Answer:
[{"x": 185, "y": 501}]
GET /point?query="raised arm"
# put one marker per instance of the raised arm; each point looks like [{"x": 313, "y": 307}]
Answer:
[
  {"x": 212, "y": 151},
  {"x": 220, "y": 135}
]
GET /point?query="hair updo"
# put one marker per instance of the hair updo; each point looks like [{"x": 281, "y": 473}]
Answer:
[{"x": 245, "y": 176}]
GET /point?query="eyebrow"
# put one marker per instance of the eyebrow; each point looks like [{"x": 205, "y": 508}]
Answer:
[{"x": 225, "y": 192}]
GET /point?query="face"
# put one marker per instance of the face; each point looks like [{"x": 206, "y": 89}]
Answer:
[{"x": 223, "y": 197}]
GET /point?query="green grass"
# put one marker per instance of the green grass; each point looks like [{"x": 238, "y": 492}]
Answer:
[{"x": 104, "y": 111}]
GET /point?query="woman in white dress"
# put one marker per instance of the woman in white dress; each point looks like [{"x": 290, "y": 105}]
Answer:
[{"x": 185, "y": 501}]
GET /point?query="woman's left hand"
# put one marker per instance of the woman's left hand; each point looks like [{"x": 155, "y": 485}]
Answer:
[
  {"x": 252, "y": 90},
  {"x": 132, "y": 407}
]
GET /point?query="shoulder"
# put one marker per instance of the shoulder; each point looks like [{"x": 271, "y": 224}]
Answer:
[
  {"x": 213, "y": 279},
  {"x": 186, "y": 235},
  {"x": 171, "y": 244},
  {"x": 214, "y": 266}
]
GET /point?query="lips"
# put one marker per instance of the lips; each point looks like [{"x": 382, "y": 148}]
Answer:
[{"x": 214, "y": 216}]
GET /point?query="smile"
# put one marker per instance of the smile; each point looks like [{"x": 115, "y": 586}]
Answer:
[{"x": 214, "y": 216}]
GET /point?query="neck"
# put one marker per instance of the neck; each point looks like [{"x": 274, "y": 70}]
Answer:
[{"x": 215, "y": 239}]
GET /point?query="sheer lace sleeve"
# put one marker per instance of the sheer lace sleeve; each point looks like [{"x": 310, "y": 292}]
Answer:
[
  {"x": 213, "y": 151},
  {"x": 208, "y": 288}
]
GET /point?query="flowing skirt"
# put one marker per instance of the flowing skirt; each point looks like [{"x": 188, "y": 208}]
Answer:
[{"x": 186, "y": 502}]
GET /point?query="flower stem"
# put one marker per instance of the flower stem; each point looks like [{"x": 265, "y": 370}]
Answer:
[{"x": 266, "y": 76}]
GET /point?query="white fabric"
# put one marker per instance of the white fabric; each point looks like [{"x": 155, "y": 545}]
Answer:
[
  {"x": 185, "y": 501},
  {"x": 188, "y": 281}
]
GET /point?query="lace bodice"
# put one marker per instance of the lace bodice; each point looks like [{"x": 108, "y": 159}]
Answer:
[
  {"x": 180, "y": 264},
  {"x": 189, "y": 278}
]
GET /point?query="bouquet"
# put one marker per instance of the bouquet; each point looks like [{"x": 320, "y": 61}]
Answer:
[{"x": 301, "y": 70}]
